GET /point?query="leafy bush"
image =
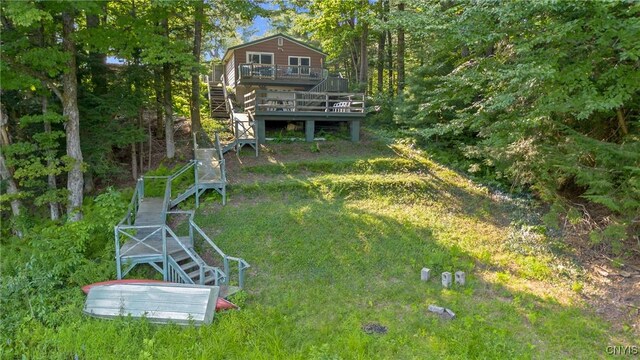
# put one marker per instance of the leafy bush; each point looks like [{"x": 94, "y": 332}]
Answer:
[{"x": 43, "y": 272}]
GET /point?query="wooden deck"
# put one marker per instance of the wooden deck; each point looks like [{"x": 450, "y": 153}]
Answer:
[{"x": 309, "y": 107}]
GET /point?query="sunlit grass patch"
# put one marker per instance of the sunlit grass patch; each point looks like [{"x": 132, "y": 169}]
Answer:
[{"x": 335, "y": 244}]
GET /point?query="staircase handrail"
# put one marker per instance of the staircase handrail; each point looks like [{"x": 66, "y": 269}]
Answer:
[
  {"x": 195, "y": 258},
  {"x": 173, "y": 265},
  {"x": 132, "y": 207},
  {"x": 242, "y": 264}
]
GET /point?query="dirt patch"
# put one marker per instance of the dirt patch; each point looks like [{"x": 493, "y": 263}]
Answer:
[
  {"x": 374, "y": 328},
  {"x": 614, "y": 292}
]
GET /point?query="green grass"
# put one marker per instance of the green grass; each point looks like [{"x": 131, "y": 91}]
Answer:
[{"x": 337, "y": 244}]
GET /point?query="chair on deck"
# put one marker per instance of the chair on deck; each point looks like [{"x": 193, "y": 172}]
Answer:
[{"x": 341, "y": 107}]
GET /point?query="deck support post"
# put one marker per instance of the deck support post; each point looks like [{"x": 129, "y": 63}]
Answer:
[
  {"x": 355, "y": 130},
  {"x": 309, "y": 130},
  {"x": 262, "y": 137}
]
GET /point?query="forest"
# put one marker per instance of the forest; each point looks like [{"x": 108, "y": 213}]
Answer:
[{"x": 538, "y": 101}]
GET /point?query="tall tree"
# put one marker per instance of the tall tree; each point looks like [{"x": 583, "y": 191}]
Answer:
[
  {"x": 400, "y": 49},
  {"x": 381, "y": 43},
  {"x": 195, "y": 70},
  {"x": 75, "y": 180},
  {"x": 6, "y": 174},
  {"x": 167, "y": 99}
]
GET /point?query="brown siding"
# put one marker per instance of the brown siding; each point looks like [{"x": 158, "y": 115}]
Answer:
[
  {"x": 230, "y": 71},
  {"x": 281, "y": 57}
]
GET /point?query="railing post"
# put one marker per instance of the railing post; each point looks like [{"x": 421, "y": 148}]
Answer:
[
  {"x": 165, "y": 255},
  {"x": 195, "y": 182},
  {"x": 240, "y": 275},
  {"x": 140, "y": 188},
  {"x": 118, "y": 260},
  {"x": 226, "y": 270}
]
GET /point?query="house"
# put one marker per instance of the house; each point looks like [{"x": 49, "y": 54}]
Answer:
[{"x": 281, "y": 79}]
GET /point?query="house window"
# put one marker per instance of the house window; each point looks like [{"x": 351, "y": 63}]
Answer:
[
  {"x": 299, "y": 65},
  {"x": 260, "y": 58},
  {"x": 280, "y": 41}
]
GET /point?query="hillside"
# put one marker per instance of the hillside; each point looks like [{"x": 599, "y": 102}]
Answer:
[{"x": 337, "y": 238}]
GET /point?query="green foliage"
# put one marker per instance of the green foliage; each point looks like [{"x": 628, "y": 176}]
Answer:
[
  {"x": 42, "y": 273},
  {"x": 548, "y": 103}
]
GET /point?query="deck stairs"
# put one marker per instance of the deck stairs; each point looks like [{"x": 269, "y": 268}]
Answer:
[
  {"x": 217, "y": 101},
  {"x": 217, "y": 106},
  {"x": 242, "y": 125},
  {"x": 144, "y": 235},
  {"x": 319, "y": 94}
]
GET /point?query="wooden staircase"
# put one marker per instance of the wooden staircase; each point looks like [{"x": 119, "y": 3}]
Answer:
[
  {"x": 144, "y": 237},
  {"x": 216, "y": 101},
  {"x": 191, "y": 265}
]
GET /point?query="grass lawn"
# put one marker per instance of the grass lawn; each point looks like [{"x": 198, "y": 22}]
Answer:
[{"x": 336, "y": 240}]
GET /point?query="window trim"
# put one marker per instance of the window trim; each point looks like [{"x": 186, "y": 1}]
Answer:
[
  {"x": 298, "y": 57},
  {"x": 249, "y": 53},
  {"x": 299, "y": 69}
]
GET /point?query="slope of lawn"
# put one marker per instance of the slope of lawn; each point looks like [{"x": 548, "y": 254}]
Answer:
[{"x": 336, "y": 240}]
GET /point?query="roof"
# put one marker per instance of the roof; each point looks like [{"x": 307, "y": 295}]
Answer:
[{"x": 269, "y": 38}]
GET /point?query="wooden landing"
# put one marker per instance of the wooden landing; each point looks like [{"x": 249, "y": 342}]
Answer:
[
  {"x": 159, "y": 303},
  {"x": 243, "y": 127},
  {"x": 152, "y": 246},
  {"x": 210, "y": 170},
  {"x": 150, "y": 214}
]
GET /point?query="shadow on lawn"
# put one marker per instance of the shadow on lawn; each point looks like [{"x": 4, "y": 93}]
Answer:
[{"x": 325, "y": 267}]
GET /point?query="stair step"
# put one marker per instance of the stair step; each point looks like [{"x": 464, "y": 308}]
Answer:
[
  {"x": 196, "y": 273},
  {"x": 180, "y": 255},
  {"x": 188, "y": 265}
]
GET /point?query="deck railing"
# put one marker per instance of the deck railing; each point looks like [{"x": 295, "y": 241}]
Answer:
[
  {"x": 129, "y": 233},
  {"x": 281, "y": 72},
  {"x": 260, "y": 101}
]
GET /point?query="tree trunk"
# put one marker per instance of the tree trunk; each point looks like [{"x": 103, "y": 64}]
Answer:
[
  {"x": 364, "y": 58},
  {"x": 141, "y": 143},
  {"x": 157, "y": 88},
  {"x": 400, "y": 53},
  {"x": 134, "y": 162},
  {"x": 97, "y": 62},
  {"x": 195, "y": 73},
  {"x": 75, "y": 180},
  {"x": 6, "y": 174},
  {"x": 168, "y": 107},
  {"x": 54, "y": 207},
  {"x": 390, "y": 59},
  {"x": 168, "y": 112},
  {"x": 150, "y": 147},
  {"x": 622, "y": 124},
  {"x": 380, "y": 63}
]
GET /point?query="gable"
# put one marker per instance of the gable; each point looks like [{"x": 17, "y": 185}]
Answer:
[{"x": 271, "y": 43}]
